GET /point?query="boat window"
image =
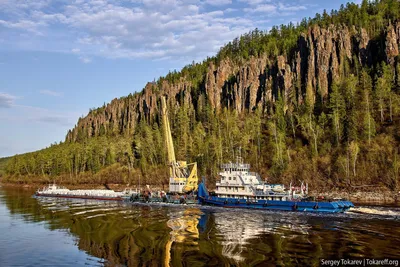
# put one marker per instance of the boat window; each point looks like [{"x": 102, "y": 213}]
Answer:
[
  {"x": 229, "y": 178},
  {"x": 234, "y": 178}
]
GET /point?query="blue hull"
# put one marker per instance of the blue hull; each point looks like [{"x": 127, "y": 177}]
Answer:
[{"x": 307, "y": 206}]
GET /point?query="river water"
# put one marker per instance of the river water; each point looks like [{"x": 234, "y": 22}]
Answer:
[{"x": 62, "y": 232}]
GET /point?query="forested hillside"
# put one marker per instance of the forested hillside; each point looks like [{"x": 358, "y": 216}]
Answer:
[
  {"x": 318, "y": 101},
  {"x": 3, "y": 164}
]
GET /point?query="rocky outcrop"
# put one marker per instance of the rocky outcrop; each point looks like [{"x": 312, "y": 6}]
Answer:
[
  {"x": 321, "y": 57},
  {"x": 363, "y": 42},
  {"x": 392, "y": 43}
]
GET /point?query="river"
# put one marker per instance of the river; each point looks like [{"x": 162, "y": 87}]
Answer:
[{"x": 54, "y": 232}]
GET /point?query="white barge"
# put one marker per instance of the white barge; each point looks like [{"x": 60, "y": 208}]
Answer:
[{"x": 100, "y": 194}]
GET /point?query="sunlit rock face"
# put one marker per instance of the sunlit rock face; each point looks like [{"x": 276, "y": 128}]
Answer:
[{"x": 322, "y": 55}]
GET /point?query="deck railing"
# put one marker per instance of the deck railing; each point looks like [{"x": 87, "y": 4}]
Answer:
[{"x": 235, "y": 166}]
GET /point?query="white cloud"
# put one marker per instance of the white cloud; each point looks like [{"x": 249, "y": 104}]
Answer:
[
  {"x": 176, "y": 29},
  {"x": 85, "y": 59},
  {"x": 6, "y": 100},
  {"x": 218, "y": 2},
  {"x": 26, "y": 25},
  {"x": 254, "y": 2},
  {"x": 289, "y": 8},
  {"x": 229, "y": 10},
  {"x": 50, "y": 93},
  {"x": 265, "y": 8}
]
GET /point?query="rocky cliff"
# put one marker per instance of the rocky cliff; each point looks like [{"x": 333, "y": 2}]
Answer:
[{"x": 322, "y": 55}]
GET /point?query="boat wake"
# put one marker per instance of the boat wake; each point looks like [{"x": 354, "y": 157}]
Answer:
[
  {"x": 375, "y": 211},
  {"x": 94, "y": 210},
  {"x": 97, "y": 215}
]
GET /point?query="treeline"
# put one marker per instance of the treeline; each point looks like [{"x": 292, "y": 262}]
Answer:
[{"x": 348, "y": 140}]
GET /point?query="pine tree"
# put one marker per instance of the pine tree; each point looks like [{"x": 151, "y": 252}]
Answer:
[{"x": 337, "y": 109}]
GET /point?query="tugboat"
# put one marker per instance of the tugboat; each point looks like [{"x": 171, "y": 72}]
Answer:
[{"x": 240, "y": 188}]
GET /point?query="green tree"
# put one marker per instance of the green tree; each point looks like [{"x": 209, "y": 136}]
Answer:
[{"x": 337, "y": 112}]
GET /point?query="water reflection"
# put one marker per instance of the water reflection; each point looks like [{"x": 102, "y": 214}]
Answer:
[
  {"x": 118, "y": 234},
  {"x": 184, "y": 230},
  {"x": 240, "y": 231}
]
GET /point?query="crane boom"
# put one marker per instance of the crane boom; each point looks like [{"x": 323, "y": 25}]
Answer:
[
  {"x": 183, "y": 176},
  {"x": 167, "y": 133}
]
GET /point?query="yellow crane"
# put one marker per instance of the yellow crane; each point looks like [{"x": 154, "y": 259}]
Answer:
[{"x": 183, "y": 175}]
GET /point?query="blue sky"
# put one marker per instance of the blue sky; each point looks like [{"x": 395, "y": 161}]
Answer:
[{"x": 58, "y": 58}]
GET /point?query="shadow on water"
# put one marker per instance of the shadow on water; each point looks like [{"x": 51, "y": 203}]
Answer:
[{"x": 112, "y": 233}]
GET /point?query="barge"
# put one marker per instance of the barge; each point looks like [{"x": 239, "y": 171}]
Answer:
[
  {"x": 58, "y": 191},
  {"x": 162, "y": 197}
]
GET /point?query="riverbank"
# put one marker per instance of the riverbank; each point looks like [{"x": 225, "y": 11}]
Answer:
[{"x": 380, "y": 197}]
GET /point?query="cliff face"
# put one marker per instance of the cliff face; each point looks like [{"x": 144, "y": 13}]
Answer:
[{"x": 321, "y": 57}]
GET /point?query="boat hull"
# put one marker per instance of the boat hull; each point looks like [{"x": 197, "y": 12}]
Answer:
[
  {"x": 81, "y": 197},
  {"x": 179, "y": 201},
  {"x": 299, "y": 206}
]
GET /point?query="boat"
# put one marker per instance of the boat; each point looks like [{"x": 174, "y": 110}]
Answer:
[
  {"x": 240, "y": 188},
  {"x": 54, "y": 190}
]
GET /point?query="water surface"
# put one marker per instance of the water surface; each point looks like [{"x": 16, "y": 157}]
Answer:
[{"x": 54, "y": 232}]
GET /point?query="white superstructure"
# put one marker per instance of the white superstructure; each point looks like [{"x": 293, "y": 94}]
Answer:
[{"x": 238, "y": 182}]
